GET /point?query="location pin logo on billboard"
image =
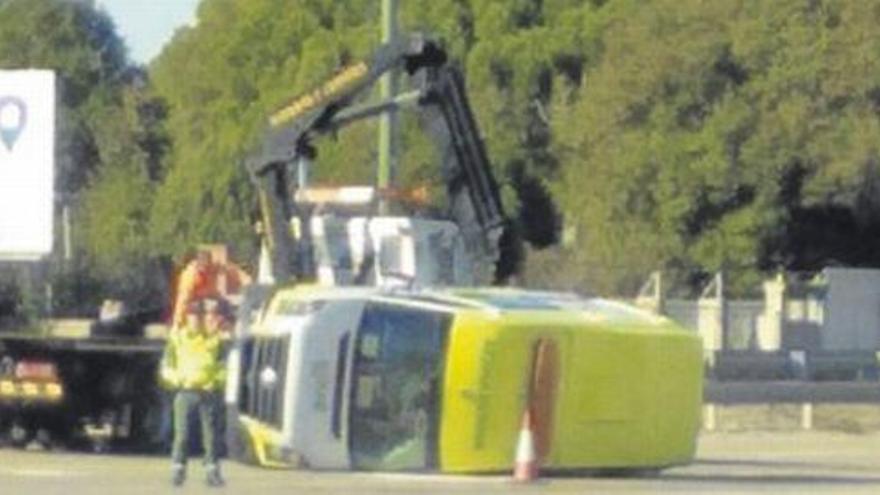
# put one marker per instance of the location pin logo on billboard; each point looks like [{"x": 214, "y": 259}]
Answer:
[{"x": 13, "y": 118}]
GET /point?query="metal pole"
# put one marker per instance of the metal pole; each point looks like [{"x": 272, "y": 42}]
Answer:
[
  {"x": 65, "y": 226},
  {"x": 305, "y": 244},
  {"x": 302, "y": 172},
  {"x": 722, "y": 300},
  {"x": 388, "y": 122}
]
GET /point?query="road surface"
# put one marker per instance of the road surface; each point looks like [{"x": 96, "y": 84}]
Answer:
[{"x": 728, "y": 463}]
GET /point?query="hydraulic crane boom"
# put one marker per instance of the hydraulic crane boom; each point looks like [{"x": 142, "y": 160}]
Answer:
[{"x": 474, "y": 200}]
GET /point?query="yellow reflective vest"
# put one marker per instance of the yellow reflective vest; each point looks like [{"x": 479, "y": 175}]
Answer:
[{"x": 193, "y": 360}]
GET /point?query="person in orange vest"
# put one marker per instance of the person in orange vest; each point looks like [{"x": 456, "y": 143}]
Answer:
[{"x": 205, "y": 277}]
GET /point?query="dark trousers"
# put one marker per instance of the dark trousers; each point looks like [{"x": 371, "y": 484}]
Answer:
[{"x": 207, "y": 403}]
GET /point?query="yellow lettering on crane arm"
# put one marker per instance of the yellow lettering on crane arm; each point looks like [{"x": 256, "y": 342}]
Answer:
[{"x": 311, "y": 100}]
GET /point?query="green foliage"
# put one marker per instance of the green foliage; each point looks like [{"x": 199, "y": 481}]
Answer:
[
  {"x": 688, "y": 135},
  {"x": 244, "y": 59},
  {"x": 221, "y": 79},
  {"x": 725, "y": 135}
]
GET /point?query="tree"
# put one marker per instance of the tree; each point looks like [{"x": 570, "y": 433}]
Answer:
[
  {"x": 221, "y": 79},
  {"x": 725, "y": 135},
  {"x": 686, "y": 135}
]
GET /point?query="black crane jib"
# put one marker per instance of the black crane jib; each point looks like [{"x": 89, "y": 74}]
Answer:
[{"x": 444, "y": 112}]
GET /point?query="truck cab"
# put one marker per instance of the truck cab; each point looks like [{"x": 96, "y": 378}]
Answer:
[
  {"x": 386, "y": 251},
  {"x": 462, "y": 242}
]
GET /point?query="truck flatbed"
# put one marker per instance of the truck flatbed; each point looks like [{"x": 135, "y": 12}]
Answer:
[
  {"x": 89, "y": 344},
  {"x": 78, "y": 335}
]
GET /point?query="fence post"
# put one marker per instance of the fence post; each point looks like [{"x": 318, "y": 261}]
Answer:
[
  {"x": 710, "y": 421},
  {"x": 711, "y": 315},
  {"x": 651, "y": 294},
  {"x": 772, "y": 322},
  {"x": 807, "y": 416}
]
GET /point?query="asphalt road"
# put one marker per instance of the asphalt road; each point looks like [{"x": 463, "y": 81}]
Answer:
[{"x": 734, "y": 463}]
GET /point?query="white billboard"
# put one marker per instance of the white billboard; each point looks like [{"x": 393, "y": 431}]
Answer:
[{"x": 27, "y": 163}]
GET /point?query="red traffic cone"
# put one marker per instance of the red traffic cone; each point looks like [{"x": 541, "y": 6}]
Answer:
[{"x": 525, "y": 468}]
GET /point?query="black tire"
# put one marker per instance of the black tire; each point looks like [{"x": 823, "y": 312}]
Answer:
[{"x": 19, "y": 435}]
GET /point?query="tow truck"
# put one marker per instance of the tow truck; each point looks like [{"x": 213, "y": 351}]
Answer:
[{"x": 473, "y": 211}]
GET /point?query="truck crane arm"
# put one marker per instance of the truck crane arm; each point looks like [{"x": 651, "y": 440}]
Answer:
[{"x": 474, "y": 200}]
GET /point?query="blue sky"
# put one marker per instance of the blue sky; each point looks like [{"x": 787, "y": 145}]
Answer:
[{"x": 147, "y": 25}]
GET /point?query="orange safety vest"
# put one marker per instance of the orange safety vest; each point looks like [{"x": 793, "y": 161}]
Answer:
[
  {"x": 194, "y": 284},
  {"x": 212, "y": 281}
]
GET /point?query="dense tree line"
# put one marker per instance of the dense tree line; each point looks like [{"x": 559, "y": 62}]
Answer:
[
  {"x": 690, "y": 136},
  {"x": 685, "y": 135},
  {"x": 244, "y": 59},
  {"x": 726, "y": 135}
]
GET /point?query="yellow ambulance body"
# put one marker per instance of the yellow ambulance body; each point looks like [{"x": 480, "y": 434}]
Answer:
[{"x": 442, "y": 380}]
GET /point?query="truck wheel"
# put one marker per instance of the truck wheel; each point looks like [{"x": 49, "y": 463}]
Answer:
[
  {"x": 44, "y": 438},
  {"x": 19, "y": 436}
]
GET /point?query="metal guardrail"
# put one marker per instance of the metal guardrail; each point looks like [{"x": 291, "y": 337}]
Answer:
[
  {"x": 815, "y": 365},
  {"x": 800, "y": 393},
  {"x": 732, "y": 393}
]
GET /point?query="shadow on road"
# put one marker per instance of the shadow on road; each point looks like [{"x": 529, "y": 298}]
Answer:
[
  {"x": 771, "y": 479},
  {"x": 724, "y": 474},
  {"x": 772, "y": 463}
]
